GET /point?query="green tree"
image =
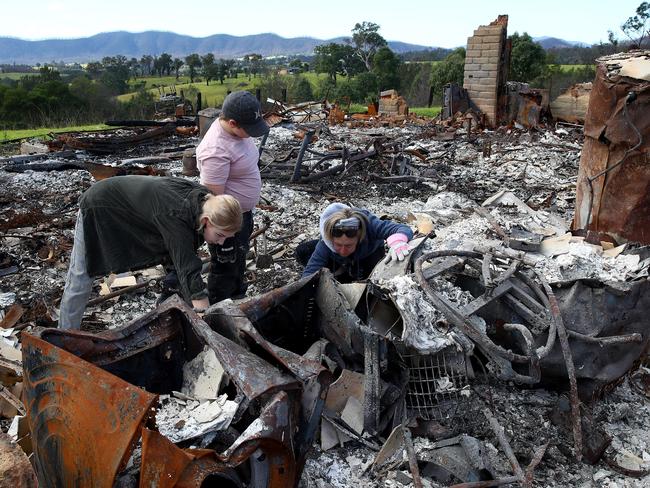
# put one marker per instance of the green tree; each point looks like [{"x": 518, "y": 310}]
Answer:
[
  {"x": 230, "y": 66},
  {"x": 134, "y": 67},
  {"x": 349, "y": 63},
  {"x": 193, "y": 62},
  {"x": 14, "y": 109},
  {"x": 146, "y": 62},
  {"x": 222, "y": 70},
  {"x": 367, "y": 40},
  {"x": 527, "y": 58},
  {"x": 254, "y": 64},
  {"x": 449, "y": 70},
  {"x": 296, "y": 63},
  {"x": 116, "y": 74},
  {"x": 327, "y": 60},
  {"x": 96, "y": 97},
  {"x": 210, "y": 69},
  {"x": 272, "y": 86},
  {"x": 94, "y": 69},
  {"x": 300, "y": 90},
  {"x": 165, "y": 63},
  {"x": 177, "y": 64},
  {"x": 141, "y": 106},
  {"x": 364, "y": 87},
  {"x": 637, "y": 27},
  {"x": 385, "y": 65},
  {"x": 336, "y": 59}
]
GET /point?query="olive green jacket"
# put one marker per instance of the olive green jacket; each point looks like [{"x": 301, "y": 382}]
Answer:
[{"x": 135, "y": 222}]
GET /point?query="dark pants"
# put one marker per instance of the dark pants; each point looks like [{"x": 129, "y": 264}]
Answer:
[
  {"x": 228, "y": 264},
  {"x": 351, "y": 270}
]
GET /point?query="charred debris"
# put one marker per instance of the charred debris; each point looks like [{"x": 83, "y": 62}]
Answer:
[{"x": 510, "y": 349}]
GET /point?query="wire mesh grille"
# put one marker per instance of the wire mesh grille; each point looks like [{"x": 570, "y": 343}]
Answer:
[{"x": 438, "y": 387}]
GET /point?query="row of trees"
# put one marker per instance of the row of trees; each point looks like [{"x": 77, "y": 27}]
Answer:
[
  {"x": 48, "y": 100},
  {"x": 116, "y": 71},
  {"x": 365, "y": 60}
]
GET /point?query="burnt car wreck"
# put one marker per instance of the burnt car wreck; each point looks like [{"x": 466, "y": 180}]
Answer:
[{"x": 493, "y": 313}]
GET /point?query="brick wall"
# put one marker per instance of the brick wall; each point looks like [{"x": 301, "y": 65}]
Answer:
[{"x": 483, "y": 60}]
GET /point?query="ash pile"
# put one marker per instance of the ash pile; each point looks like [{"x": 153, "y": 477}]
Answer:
[{"x": 509, "y": 349}]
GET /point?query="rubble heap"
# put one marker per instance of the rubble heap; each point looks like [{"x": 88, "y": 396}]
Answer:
[{"x": 413, "y": 378}]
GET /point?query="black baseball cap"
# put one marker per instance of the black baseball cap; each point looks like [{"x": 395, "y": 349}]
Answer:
[{"x": 243, "y": 108}]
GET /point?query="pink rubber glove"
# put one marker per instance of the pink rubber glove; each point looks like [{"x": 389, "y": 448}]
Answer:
[{"x": 398, "y": 247}]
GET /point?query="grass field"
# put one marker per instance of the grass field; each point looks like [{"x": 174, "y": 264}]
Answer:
[
  {"x": 9, "y": 135},
  {"x": 155, "y": 81},
  {"x": 572, "y": 67},
  {"x": 357, "y": 108},
  {"x": 15, "y": 76},
  {"x": 425, "y": 111},
  {"x": 211, "y": 95}
]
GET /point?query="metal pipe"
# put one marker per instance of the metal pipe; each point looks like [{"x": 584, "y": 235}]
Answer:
[
  {"x": 301, "y": 154},
  {"x": 503, "y": 442}
]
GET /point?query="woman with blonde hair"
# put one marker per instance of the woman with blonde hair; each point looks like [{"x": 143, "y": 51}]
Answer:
[
  {"x": 352, "y": 242},
  {"x": 128, "y": 223}
]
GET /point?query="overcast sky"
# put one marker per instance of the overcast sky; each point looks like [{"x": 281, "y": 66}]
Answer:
[{"x": 430, "y": 23}]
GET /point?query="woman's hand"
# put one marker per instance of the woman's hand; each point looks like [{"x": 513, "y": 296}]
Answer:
[{"x": 398, "y": 247}]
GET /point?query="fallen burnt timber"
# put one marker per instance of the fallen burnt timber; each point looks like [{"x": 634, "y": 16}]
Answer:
[{"x": 505, "y": 349}]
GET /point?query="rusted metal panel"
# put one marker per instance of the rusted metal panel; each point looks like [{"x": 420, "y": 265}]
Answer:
[
  {"x": 83, "y": 420},
  {"x": 165, "y": 333},
  {"x": 166, "y": 466},
  {"x": 613, "y": 189},
  {"x": 162, "y": 462}
]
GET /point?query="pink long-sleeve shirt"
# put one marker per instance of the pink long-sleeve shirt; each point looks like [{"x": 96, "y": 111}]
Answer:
[{"x": 225, "y": 159}]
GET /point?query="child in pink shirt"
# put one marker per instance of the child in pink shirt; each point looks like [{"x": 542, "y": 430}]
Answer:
[{"x": 227, "y": 159}]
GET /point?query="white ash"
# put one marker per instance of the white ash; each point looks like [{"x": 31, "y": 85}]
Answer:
[
  {"x": 337, "y": 468},
  {"x": 584, "y": 262},
  {"x": 626, "y": 416},
  {"x": 448, "y": 205},
  {"x": 424, "y": 327},
  {"x": 179, "y": 419},
  {"x": 464, "y": 234},
  {"x": 51, "y": 181},
  {"x": 7, "y": 299}
]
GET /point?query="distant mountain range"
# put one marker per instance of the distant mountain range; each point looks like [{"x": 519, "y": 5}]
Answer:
[
  {"x": 135, "y": 45},
  {"x": 555, "y": 43}
]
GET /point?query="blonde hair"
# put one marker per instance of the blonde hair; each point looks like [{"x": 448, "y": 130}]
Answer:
[
  {"x": 346, "y": 213},
  {"x": 222, "y": 211}
]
